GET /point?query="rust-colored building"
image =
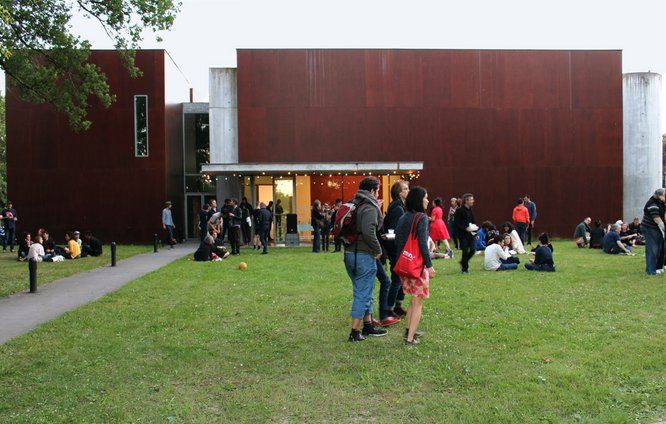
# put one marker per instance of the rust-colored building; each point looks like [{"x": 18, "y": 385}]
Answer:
[
  {"x": 497, "y": 123},
  {"x": 112, "y": 179}
]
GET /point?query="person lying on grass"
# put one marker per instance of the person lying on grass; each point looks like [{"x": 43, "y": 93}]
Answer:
[{"x": 543, "y": 256}]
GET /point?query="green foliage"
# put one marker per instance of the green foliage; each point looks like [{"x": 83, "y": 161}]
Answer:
[
  {"x": 206, "y": 342},
  {"x": 49, "y": 64},
  {"x": 3, "y": 153}
]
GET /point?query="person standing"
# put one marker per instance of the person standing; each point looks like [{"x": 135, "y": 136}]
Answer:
[
  {"x": 246, "y": 220},
  {"x": 438, "y": 230},
  {"x": 235, "y": 217},
  {"x": 652, "y": 227},
  {"x": 336, "y": 240},
  {"x": 264, "y": 227},
  {"x": 279, "y": 211},
  {"x": 317, "y": 222},
  {"x": 453, "y": 205},
  {"x": 203, "y": 221},
  {"x": 521, "y": 219},
  {"x": 462, "y": 219},
  {"x": 361, "y": 259},
  {"x": 167, "y": 223},
  {"x": 9, "y": 218},
  {"x": 326, "y": 228},
  {"x": 226, "y": 210},
  {"x": 419, "y": 288},
  {"x": 532, "y": 209},
  {"x": 396, "y": 209}
]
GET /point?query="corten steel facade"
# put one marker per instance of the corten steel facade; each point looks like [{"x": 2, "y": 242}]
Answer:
[
  {"x": 495, "y": 123},
  {"x": 62, "y": 180}
]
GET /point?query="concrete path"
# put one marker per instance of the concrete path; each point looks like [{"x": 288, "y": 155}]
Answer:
[{"x": 22, "y": 312}]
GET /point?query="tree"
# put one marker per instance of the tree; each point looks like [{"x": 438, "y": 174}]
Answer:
[
  {"x": 3, "y": 153},
  {"x": 49, "y": 64}
]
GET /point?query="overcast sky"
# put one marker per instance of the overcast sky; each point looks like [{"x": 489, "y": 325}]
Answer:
[{"x": 207, "y": 32}]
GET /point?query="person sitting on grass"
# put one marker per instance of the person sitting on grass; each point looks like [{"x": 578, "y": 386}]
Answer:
[
  {"x": 482, "y": 236},
  {"x": 597, "y": 234},
  {"x": 582, "y": 233},
  {"x": 24, "y": 246},
  {"x": 73, "y": 250},
  {"x": 612, "y": 243},
  {"x": 516, "y": 243},
  {"x": 36, "y": 251},
  {"x": 543, "y": 256},
  {"x": 207, "y": 250},
  {"x": 626, "y": 236},
  {"x": 49, "y": 246},
  {"x": 497, "y": 256},
  {"x": 91, "y": 245}
]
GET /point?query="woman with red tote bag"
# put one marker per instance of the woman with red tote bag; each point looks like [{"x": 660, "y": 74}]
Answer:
[{"x": 414, "y": 265}]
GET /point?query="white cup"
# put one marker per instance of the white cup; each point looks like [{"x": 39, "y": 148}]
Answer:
[{"x": 391, "y": 231}]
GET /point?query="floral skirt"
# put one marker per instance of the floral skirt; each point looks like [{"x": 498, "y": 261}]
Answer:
[{"x": 417, "y": 287}]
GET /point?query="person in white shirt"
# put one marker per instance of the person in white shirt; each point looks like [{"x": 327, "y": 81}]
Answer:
[
  {"x": 497, "y": 256},
  {"x": 516, "y": 243},
  {"x": 36, "y": 250}
]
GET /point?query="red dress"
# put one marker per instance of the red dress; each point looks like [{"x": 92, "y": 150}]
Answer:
[{"x": 438, "y": 230}]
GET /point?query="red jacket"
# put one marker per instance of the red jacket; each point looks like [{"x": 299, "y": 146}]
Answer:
[{"x": 521, "y": 214}]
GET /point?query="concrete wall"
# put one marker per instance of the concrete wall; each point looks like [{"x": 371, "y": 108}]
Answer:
[
  {"x": 223, "y": 115},
  {"x": 642, "y": 148}
]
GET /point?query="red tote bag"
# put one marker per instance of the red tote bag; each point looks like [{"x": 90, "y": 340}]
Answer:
[{"x": 410, "y": 262}]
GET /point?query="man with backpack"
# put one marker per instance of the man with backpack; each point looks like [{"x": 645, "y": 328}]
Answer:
[{"x": 357, "y": 224}]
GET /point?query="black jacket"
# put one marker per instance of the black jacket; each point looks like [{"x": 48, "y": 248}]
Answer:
[{"x": 461, "y": 220}]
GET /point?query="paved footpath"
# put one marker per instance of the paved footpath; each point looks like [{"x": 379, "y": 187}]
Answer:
[{"x": 22, "y": 312}]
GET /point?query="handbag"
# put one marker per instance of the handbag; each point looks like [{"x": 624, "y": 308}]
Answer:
[{"x": 410, "y": 262}]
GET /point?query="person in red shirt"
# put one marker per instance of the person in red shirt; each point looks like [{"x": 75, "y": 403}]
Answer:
[{"x": 521, "y": 219}]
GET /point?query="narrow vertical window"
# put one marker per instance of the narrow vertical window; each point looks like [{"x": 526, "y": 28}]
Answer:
[{"x": 141, "y": 126}]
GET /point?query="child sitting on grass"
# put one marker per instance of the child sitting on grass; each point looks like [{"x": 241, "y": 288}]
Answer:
[{"x": 543, "y": 256}]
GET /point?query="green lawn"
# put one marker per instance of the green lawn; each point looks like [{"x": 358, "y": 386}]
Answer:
[
  {"x": 207, "y": 343},
  {"x": 15, "y": 277}
]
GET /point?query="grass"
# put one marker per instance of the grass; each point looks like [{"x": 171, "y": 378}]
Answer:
[
  {"x": 15, "y": 277},
  {"x": 197, "y": 342}
]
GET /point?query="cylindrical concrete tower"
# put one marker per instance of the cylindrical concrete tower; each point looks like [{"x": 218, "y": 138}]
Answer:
[{"x": 642, "y": 146}]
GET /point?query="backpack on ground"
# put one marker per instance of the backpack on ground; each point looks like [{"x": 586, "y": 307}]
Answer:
[{"x": 344, "y": 226}]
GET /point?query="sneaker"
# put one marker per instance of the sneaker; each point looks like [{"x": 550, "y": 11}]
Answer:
[
  {"x": 388, "y": 321},
  {"x": 416, "y": 335},
  {"x": 369, "y": 330},
  {"x": 356, "y": 336},
  {"x": 414, "y": 341},
  {"x": 226, "y": 255},
  {"x": 660, "y": 271},
  {"x": 374, "y": 322},
  {"x": 465, "y": 272},
  {"x": 265, "y": 252},
  {"x": 399, "y": 311}
]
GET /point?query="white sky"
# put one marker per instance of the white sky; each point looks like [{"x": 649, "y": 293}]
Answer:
[{"x": 207, "y": 32}]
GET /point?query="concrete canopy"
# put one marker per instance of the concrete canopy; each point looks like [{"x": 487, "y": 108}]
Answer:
[{"x": 311, "y": 167}]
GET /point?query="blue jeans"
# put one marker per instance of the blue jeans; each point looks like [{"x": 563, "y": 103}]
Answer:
[
  {"x": 169, "y": 229},
  {"x": 10, "y": 235},
  {"x": 363, "y": 281},
  {"x": 508, "y": 267},
  {"x": 395, "y": 294},
  {"x": 541, "y": 268},
  {"x": 384, "y": 287},
  {"x": 654, "y": 249}
]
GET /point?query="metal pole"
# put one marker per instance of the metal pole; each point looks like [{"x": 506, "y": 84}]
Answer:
[
  {"x": 113, "y": 253},
  {"x": 32, "y": 267},
  {"x": 155, "y": 241}
]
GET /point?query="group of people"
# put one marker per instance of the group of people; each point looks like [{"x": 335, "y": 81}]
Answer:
[
  {"x": 380, "y": 237},
  {"x": 322, "y": 219},
  {"x": 616, "y": 238},
  {"x": 235, "y": 221},
  {"x": 41, "y": 247},
  {"x": 620, "y": 237}
]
